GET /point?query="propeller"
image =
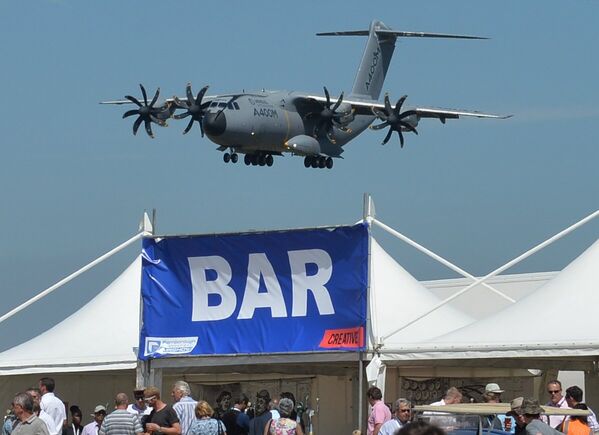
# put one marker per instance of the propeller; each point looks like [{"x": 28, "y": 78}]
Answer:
[
  {"x": 194, "y": 107},
  {"x": 394, "y": 119},
  {"x": 328, "y": 117},
  {"x": 147, "y": 113}
]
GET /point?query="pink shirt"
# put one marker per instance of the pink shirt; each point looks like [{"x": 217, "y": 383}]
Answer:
[{"x": 380, "y": 414}]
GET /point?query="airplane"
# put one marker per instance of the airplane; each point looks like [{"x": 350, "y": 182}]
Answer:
[{"x": 264, "y": 124}]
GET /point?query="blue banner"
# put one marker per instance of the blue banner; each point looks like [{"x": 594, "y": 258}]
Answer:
[{"x": 272, "y": 292}]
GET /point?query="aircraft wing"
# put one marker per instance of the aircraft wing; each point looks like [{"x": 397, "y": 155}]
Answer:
[
  {"x": 493, "y": 408},
  {"x": 362, "y": 107}
]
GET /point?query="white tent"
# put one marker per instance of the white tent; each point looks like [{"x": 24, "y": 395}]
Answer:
[
  {"x": 99, "y": 336},
  {"x": 558, "y": 320},
  {"x": 397, "y": 297}
]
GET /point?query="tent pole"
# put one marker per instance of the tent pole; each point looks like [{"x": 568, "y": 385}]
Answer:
[
  {"x": 360, "y": 391},
  {"x": 71, "y": 277},
  {"x": 434, "y": 256},
  {"x": 499, "y": 270},
  {"x": 142, "y": 371}
]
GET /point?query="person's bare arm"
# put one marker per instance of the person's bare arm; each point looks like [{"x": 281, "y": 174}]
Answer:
[{"x": 377, "y": 427}]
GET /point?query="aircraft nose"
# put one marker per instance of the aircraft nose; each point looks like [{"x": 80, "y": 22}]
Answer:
[{"x": 215, "y": 124}]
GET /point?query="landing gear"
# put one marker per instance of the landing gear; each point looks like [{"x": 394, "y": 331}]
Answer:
[
  {"x": 230, "y": 157},
  {"x": 318, "y": 162},
  {"x": 258, "y": 159}
]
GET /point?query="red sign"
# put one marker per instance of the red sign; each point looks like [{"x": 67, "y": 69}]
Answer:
[{"x": 343, "y": 338}]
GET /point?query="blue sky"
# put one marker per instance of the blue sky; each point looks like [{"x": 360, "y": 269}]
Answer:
[{"x": 479, "y": 192}]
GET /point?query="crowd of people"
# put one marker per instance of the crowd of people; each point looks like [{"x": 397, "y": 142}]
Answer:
[
  {"x": 37, "y": 411},
  {"x": 526, "y": 416}
]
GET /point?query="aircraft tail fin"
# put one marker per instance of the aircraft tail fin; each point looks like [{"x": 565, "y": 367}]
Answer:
[{"x": 377, "y": 55}]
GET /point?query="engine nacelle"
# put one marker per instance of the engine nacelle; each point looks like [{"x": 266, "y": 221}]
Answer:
[{"x": 304, "y": 145}]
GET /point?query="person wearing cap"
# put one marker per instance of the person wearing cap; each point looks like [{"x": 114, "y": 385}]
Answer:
[
  {"x": 139, "y": 407},
  {"x": 556, "y": 400},
  {"x": 528, "y": 416},
  {"x": 94, "y": 427},
  {"x": 492, "y": 394},
  {"x": 283, "y": 424},
  {"x": 402, "y": 410}
]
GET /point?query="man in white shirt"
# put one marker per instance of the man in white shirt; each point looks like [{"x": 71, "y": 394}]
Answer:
[
  {"x": 184, "y": 405},
  {"x": 52, "y": 405},
  {"x": 94, "y": 427},
  {"x": 402, "y": 414},
  {"x": 557, "y": 400}
]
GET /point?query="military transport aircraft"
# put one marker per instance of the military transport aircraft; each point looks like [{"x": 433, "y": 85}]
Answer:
[{"x": 268, "y": 123}]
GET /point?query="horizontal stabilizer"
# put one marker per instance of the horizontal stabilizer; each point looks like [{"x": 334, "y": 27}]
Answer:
[{"x": 396, "y": 33}]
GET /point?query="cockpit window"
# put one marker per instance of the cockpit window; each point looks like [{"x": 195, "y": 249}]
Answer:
[
  {"x": 221, "y": 105},
  {"x": 236, "y": 105},
  {"x": 213, "y": 104},
  {"x": 230, "y": 106}
]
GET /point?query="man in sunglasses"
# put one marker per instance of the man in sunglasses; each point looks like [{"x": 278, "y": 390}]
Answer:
[
  {"x": 402, "y": 414},
  {"x": 139, "y": 407},
  {"x": 557, "y": 400},
  {"x": 163, "y": 419}
]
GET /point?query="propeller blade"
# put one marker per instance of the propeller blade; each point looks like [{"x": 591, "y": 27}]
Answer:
[
  {"x": 136, "y": 125},
  {"x": 155, "y": 97},
  {"x": 400, "y": 137},
  {"x": 379, "y": 114},
  {"x": 201, "y": 94},
  {"x": 338, "y": 103},
  {"x": 180, "y": 104},
  {"x": 201, "y": 128},
  {"x": 158, "y": 121},
  {"x": 190, "y": 99},
  {"x": 326, "y": 94},
  {"x": 143, "y": 92},
  {"x": 388, "y": 107},
  {"x": 148, "y": 126},
  {"x": 182, "y": 115},
  {"x": 408, "y": 113},
  {"x": 399, "y": 104},
  {"x": 408, "y": 127},
  {"x": 188, "y": 126},
  {"x": 379, "y": 126},
  {"x": 130, "y": 113},
  {"x": 133, "y": 100},
  {"x": 387, "y": 137}
]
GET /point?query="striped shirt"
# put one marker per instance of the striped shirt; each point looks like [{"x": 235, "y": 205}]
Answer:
[
  {"x": 185, "y": 409},
  {"x": 120, "y": 422}
]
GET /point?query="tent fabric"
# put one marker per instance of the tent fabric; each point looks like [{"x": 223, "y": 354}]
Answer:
[
  {"x": 397, "y": 297},
  {"x": 105, "y": 331},
  {"x": 533, "y": 327}
]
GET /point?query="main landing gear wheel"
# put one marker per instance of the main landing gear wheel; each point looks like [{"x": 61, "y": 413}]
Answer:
[
  {"x": 318, "y": 162},
  {"x": 230, "y": 157},
  {"x": 261, "y": 159}
]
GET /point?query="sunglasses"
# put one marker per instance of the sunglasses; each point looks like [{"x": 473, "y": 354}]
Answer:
[
  {"x": 553, "y": 392},
  {"x": 149, "y": 399},
  {"x": 405, "y": 410}
]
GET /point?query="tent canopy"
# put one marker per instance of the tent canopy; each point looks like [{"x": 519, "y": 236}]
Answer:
[
  {"x": 557, "y": 320},
  {"x": 101, "y": 335}
]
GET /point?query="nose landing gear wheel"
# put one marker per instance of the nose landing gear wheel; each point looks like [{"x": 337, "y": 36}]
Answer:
[
  {"x": 234, "y": 157},
  {"x": 226, "y": 157}
]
